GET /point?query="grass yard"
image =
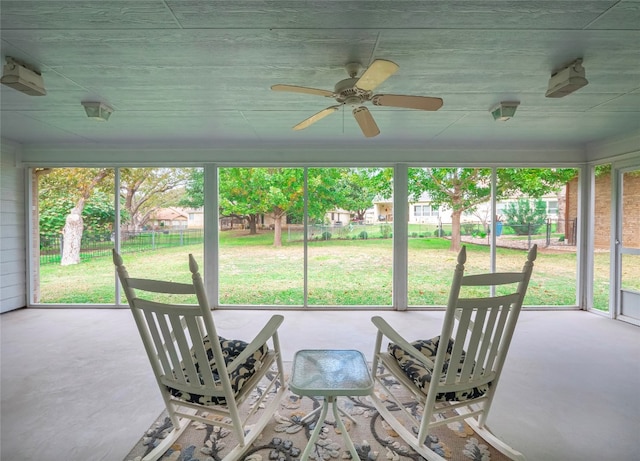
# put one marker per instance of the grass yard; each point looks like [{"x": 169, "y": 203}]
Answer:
[{"x": 340, "y": 272}]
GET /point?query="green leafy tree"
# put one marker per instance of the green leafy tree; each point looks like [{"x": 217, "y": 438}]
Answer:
[
  {"x": 525, "y": 216},
  {"x": 240, "y": 195},
  {"x": 194, "y": 189},
  {"x": 324, "y": 192},
  {"x": 249, "y": 193},
  {"x": 98, "y": 214},
  {"x": 463, "y": 189},
  {"x": 76, "y": 185},
  {"x": 357, "y": 188},
  {"x": 145, "y": 190}
]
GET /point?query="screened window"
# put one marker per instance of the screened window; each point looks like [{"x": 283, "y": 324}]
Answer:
[{"x": 319, "y": 237}]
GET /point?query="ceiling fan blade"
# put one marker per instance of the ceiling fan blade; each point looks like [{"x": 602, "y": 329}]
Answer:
[
  {"x": 303, "y": 89},
  {"x": 378, "y": 72},
  {"x": 366, "y": 121},
  {"x": 314, "y": 118},
  {"x": 408, "y": 102}
]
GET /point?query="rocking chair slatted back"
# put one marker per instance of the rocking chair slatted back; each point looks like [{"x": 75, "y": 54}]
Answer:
[
  {"x": 190, "y": 367},
  {"x": 467, "y": 357}
]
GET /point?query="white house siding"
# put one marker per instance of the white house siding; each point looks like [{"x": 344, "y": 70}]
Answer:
[{"x": 12, "y": 231}]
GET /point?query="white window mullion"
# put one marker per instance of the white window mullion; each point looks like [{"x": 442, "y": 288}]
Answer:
[
  {"x": 211, "y": 245},
  {"x": 117, "y": 228},
  {"x": 494, "y": 221},
  {"x": 585, "y": 258},
  {"x": 305, "y": 222},
  {"x": 400, "y": 237}
]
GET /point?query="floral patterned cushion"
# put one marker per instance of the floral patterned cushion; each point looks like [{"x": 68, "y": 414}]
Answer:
[
  {"x": 421, "y": 374},
  {"x": 231, "y": 348}
]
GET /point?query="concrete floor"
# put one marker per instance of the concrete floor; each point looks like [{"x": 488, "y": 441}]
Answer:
[{"x": 76, "y": 384}]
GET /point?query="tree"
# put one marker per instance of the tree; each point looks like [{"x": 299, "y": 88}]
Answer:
[
  {"x": 358, "y": 187},
  {"x": 463, "y": 189},
  {"x": 240, "y": 195},
  {"x": 144, "y": 190},
  {"x": 276, "y": 192},
  {"x": 525, "y": 216},
  {"x": 98, "y": 214},
  {"x": 76, "y": 185},
  {"x": 194, "y": 189}
]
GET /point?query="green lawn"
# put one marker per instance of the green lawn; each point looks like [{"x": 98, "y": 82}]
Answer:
[{"x": 340, "y": 272}]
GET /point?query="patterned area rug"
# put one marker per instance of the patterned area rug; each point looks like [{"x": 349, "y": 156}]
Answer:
[{"x": 286, "y": 436}]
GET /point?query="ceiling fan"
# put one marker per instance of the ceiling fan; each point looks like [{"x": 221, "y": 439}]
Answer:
[{"x": 355, "y": 91}]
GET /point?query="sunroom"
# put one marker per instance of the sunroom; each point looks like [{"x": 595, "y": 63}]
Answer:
[{"x": 184, "y": 90}]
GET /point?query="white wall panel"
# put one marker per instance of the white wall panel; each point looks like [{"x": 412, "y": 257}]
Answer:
[{"x": 12, "y": 230}]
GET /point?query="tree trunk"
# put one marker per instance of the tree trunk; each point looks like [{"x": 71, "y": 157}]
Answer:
[
  {"x": 253, "y": 227},
  {"x": 455, "y": 231},
  {"x": 277, "y": 231},
  {"x": 74, "y": 224},
  {"x": 72, "y": 236}
]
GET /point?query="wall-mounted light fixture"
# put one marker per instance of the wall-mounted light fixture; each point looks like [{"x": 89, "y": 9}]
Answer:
[
  {"x": 22, "y": 77},
  {"x": 97, "y": 111},
  {"x": 505, "y": 110},
  {"x": 566, "y": 81}
]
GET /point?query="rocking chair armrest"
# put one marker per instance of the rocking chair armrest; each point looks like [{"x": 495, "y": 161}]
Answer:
[
  {"x": 387, "y": 330},
  {"x": 269, "y": 330}
]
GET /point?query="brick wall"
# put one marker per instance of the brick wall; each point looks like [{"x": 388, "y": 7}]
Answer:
[{"x": 631, "y": 210}]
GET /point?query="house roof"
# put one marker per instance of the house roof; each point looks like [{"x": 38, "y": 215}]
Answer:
[
  {"x": 169, "y": 214},
  {"x": 198, "y": 73}
]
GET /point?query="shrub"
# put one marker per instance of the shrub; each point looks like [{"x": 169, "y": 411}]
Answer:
[
  {"x": 526, "y": 216},
  {"x": 468, "y": 228},
  {"x": 326, "y": 235},
  {"x": 414, "y": 234},
  {"x": 385, "y": 230},
  {"x": 363, "y": 235}
]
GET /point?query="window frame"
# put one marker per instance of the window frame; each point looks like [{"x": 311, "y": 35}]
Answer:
[{"x": 400, "y": 230}]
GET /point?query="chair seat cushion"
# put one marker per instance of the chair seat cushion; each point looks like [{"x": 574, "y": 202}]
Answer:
[
  {"x": 231, "y": 348},
  {"x": 421, "y": 374}
]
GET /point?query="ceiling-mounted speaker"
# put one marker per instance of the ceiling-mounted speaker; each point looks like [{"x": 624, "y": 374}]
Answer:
[
  {"x": 567, "y": 80},
  {"x": 20, "y": 77}
]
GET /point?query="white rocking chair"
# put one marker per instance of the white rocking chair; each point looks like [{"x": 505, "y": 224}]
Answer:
[
  {"x": 478, "y": 331},
  {"x": 197, "y": 373}
]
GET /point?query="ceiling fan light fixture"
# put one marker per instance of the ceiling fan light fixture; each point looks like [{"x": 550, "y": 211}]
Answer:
[
  {"x": 567, "y": 80},
  {"x": 505, "y": 110},
  {"x": 98, "y": 111}
]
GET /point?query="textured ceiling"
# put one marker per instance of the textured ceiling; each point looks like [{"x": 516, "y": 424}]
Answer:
[{"x": 199, "y": 72}]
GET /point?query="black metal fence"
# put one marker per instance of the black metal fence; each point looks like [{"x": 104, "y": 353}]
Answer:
[
  {"x": 547, "y": 233},
  {"x": 100, "y": 244}
]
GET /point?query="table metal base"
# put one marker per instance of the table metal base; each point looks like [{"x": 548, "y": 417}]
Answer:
[{"x": 316, "y": 431}]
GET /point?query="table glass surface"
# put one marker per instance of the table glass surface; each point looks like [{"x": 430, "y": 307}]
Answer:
[{"x": 330, "y": 372}]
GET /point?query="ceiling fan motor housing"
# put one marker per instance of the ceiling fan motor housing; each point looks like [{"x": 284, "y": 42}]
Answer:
[{"x": 346, "y": 92}]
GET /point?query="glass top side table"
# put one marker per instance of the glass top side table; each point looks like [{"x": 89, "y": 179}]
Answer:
[{"x": 330, "y": 373}]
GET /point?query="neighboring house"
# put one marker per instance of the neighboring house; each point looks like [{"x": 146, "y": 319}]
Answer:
[
  {"x": 420, "y": 212},
  {"x": 169, "y": 218},
  {"x": 338, "y": 217},
  {"x": 195, "y": 218},
  {"x": 424, "y": 212}
]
